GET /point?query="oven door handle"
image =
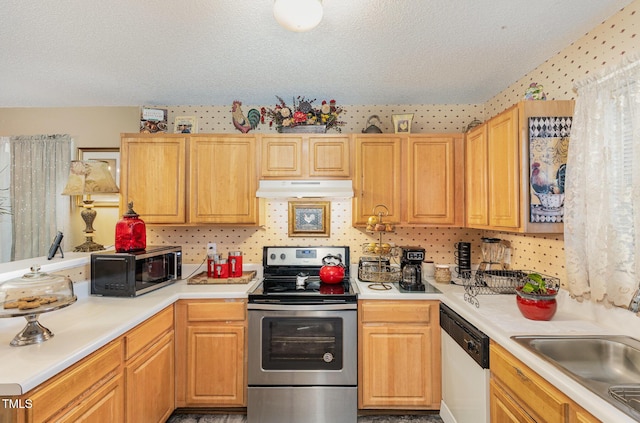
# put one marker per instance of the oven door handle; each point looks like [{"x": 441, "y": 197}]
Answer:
[{"x": 302, "y": 307}]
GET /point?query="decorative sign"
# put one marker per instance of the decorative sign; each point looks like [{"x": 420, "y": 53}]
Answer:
[{"x": 548, "y": 148}]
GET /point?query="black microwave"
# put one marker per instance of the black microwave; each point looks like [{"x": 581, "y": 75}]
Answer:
[{"x": 136, "y": 273}]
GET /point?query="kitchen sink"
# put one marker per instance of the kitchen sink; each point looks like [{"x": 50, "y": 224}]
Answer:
[{"x": 608, "y": 365}]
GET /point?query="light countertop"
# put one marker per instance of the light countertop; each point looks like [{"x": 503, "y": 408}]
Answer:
[{"x": 92, "y": 322}]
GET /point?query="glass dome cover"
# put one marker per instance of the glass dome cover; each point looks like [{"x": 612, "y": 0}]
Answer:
[{"x": 34, "y": 293}]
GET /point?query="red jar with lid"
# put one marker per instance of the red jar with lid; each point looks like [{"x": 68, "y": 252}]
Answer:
[{"x": 131, "y": 232}]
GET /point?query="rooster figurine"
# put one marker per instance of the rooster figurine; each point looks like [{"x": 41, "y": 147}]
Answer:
[{"x": 242, "y": 123}]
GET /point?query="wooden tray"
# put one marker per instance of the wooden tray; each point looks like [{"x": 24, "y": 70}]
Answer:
[{"x": 202, "y": 279}]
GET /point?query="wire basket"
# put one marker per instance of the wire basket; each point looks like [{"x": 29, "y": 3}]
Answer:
[{"x": 485, "y": 282}]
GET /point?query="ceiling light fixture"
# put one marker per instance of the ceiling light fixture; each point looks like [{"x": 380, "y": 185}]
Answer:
[{"x": 298, "y": 15}]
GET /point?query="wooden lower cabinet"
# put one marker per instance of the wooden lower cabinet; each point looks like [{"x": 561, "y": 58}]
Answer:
[
  {"x": 105, "y": 405},
  {"x": 92, "y": 388},
  {"x": 149, "y": 369},
  {"x": 150, "y": 383},
  {"x": 518, "y": 394},
  {"x": 211, "y": 344},
  {"x": 399, "y": 355},
  {"x": 131, "y": 379}
]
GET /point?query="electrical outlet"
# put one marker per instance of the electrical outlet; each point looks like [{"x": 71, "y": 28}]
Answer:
[{"x": 212, "y": 248}]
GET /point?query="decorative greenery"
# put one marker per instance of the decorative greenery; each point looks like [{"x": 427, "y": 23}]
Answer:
[
  {"x": 303, "y": 113},
  {"x": 535, "y": 285}
]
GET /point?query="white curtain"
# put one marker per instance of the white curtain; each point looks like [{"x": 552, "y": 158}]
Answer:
[
  {"x": 39, "y": 170},
  {"x": 6, "y": 231},
  {"x": 602, "y": 204}
]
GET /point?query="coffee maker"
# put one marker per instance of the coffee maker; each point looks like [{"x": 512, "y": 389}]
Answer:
[{"x": 411, "y": 269}]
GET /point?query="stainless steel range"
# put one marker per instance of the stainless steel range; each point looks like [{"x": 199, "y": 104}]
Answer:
[{"x": 302, "y": 340}]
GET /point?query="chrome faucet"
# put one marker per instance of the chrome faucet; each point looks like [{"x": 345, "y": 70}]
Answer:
[{"x": 634, "y": 305}]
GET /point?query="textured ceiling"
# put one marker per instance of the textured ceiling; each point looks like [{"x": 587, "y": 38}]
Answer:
[{"x": 210, "y": 52}]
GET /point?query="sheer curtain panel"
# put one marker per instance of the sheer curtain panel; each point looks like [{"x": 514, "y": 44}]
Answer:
[
  {"x": 602, "y": 205},
  {"x": 39, "y": 170}
]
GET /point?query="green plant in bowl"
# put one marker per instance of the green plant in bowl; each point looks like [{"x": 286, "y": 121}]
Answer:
[{"x": 536, "y": 300}]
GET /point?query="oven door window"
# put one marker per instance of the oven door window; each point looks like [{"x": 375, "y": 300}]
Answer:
[{"x": 302, "y": 343}]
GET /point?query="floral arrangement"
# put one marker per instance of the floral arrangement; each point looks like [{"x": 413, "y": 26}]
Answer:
[{"x": 303, "y": 113}]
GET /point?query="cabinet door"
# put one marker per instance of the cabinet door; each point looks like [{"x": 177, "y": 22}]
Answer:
[
  {"x": 504, "y": 170},
  {"x": 395, "y": 368},
  {"x": 105, "y": 405},
  {"x": 504, "y": 409},
  {"x": 432, "y": 174},
  {"x": 222, "y": 184},
  {"x": 476, "y": 184},
  {"x": 281, "y": 157},
  {"x": 377, "y": 177},
  {"x": 151, "y": 383},
  {"x": 153, "y": 177},
  {"x": 215, "y": 365},
  {"x": 399, "y": 355},
  {"x": 329, "y": 157}
]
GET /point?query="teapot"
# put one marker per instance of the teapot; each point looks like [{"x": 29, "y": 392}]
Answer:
[
  {"x": 332, "y": 270},
  {"x": 371, "y": 128}
]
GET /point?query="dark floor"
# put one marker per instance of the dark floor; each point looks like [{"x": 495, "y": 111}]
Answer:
[{"x": 238, "y": 418}]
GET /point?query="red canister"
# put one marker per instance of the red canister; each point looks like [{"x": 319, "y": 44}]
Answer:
[
  {"x": 221, "y": 269},
  {"x": 235, "y": 264},
  {"x": 131, "y": 232}
]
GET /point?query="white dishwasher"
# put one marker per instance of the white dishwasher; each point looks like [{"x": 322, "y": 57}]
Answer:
[{"x": 465, "y": 370}]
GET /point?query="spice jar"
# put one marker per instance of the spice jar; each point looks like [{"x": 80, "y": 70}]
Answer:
[
  {"x": 131, "y": 232},
  {"x": 442, "y": 273}
]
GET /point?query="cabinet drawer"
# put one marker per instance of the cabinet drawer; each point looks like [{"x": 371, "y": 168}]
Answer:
[
  {"x": 57, "y": 393},
  {"x": 216, "y": 310},
  {"x": 396, "y": 311},
  {"x": 137, "y": 339},
  {"x": 525, "y": 385}
]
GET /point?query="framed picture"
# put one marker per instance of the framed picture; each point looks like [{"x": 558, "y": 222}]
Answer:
[
  {"x": 402, "y": 123},
  {"x": 310, "y": 218},
  {"x": 111, "y": 156},
  {"x": 185, "y": 125}
]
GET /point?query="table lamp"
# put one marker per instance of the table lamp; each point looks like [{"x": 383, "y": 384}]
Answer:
[{"x": 86, "y": 178}]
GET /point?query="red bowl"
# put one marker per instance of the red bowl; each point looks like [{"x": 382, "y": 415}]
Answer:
[{"x": 537, "y": 307}]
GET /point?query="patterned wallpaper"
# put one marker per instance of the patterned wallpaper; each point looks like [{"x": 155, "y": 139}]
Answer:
[
  {"x": 599, "y": 48},
  {"x": 427, "y": 118}
]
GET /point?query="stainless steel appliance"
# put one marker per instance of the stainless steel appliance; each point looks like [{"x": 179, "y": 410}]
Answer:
[
  {"x": 136, "y": 273},
  {"x": 411, "y": 269},
  {"x": 465, "y": 370},
  {"x": 302, "y": 363}
]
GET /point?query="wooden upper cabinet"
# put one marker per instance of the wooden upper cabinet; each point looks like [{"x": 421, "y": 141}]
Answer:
[
  {"x": 377, "y": 177},
  {"x": 504, "y": 170},
  {"x": 329, "y": 157},
  {"x": 190, "y": 179},
  {"x": 223, "y": 181},
  {"x": 302, "y": 156},
  {"x": 498, "y": 189},
  {"x": 281, "y": 157},
  {"x": 476, "y": 175},
  {"x": 152, "y": 175},
  {"x": 434, "y": 182}
]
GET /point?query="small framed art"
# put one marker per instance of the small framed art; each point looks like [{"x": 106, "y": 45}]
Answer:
[
  {"x": 402, "y": 123},
  {"x": 309, "y": 218},
  {"x": 111, "y": 156},
  {"x": 185, "y": 125}
]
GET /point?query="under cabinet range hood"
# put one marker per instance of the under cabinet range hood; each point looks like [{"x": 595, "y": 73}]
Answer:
[{"x": 339, "y": 188}]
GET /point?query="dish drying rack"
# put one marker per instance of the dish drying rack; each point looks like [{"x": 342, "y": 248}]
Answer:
[{"x": 491, "y": 282}]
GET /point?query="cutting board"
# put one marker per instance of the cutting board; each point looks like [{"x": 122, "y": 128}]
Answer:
[{"x": 202, "y": 279}]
